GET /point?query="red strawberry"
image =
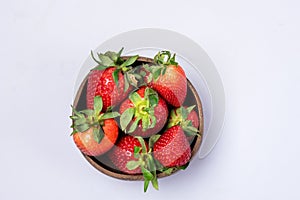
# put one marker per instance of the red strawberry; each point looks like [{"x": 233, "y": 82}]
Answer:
[
  {"x": 144, "y": 113},
  {"x": 193, "y": 117},
  {"x": 123, "y": 152},
  {"x": 101, "y": 83},
  {"x": 109, "y": 79},
  {"x": 131, "y": 155},
  {"x": 88, "y": 145},
  {"x": 172, "y": 148},
  {"x": 168, "y": 79},
  {"x": 94, "y": 132},
  {"x": 187, "y": 118},
  {"x": 92, "y": 85}
]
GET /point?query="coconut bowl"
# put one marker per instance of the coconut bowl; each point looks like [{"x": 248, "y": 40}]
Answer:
[{"x": 103, "y": 164}]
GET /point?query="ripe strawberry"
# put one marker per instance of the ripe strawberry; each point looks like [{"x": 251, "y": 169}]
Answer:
[
  {"x": 187, "y": 118},
  {"x": 123, "y": 152},
  {"x": 172, "y": 148},
  {"x": 111, "y": 79},
  {"x": 94, "y": 132},
  {"x": 132, "y": 155},
  {"x": 88, "y": 145},
  {"x": 144, "y": 113},
  {"x": 193, "y": 117},
  {"x": 168, "y": 78}
]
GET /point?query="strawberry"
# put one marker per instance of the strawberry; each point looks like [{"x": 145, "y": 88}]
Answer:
[
  {"x": 167, "y": 78},
  {"x": 172, "y": 149},
  {"x": 132, "y": 155},
  {"x": 112, "y": 79},
  {"x": 124, "y": 152},
  {"x": 144, "y": 113},
  {"x": 193, "y": 117},
  {"x": 187, "y": 118},
  {"x": 94, "y": 132}
]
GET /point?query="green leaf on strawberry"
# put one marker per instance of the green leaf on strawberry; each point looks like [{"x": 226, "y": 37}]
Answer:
[
  {"x": 110, "y": 115},
  {"x": 142, "y": 110},
  {"x": 115, "y": 76},
  {"x": 126, "y": 117},
  {"x": 113, "y": 59},
  {"x": 98, "y": 104},
  {"x": 156, "y": 71},
  {"x": 129, "y": 61},
  {"x": 185, "y": 117},
  {"x": 148, "y": 176},
  {"x": 105, "y": 60},
  {"x": 153, "y": 139},
  {"x": 132, "y": 155},
  {"x": 165, "y": 58},
  {"x": 142, "y": 142},
  {"x": 136, "y": 151},
  {"x": 145, "y": 122},
  {"x": 97, "y": 61},
  {"x": 167, "y": 78},
  {"x": 134, "y": 125},
  {"x": 98, "y": 134},
  {"x": 168, "y": 170},
  {"x": 135, "y": 98},
  {"x": 94, "y": 132},
  {"x": 86, "y": 119},
  {"x": 145, "y": 162},
  {"x": 152, "y": 96},
  {"x": 116, "y": 57},
  {"x": 126, "y": 82},
  {"x": 132, "y": 165}
]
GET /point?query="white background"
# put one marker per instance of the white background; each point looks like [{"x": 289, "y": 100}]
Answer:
[{"x": 255, "y": 45}]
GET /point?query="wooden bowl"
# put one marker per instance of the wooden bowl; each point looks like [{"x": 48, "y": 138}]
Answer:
[{"x": 103, "y": 164}]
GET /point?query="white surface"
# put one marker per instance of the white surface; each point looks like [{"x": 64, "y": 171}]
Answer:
[
  {"x": 254, "y": 44},
  {"x": 199, "y": 69}
]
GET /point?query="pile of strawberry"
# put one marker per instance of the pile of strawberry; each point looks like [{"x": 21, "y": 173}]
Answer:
[{"x": 135, "y": 115}]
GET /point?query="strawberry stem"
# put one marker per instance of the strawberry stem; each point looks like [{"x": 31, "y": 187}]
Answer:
[{"x": 146, "y": 163}]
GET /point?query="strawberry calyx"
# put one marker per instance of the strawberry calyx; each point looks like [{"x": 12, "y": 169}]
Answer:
[
  {"x": 179, "y": 116},
  {"x": 162, "y": 60},
  {"x": 107, "y": 59},
  {"x": 145, "y": 161},
  {"x": 113, "y": 59},
  {"x": 142, "y": 110},
  {"x": 169, "y": 170},
  {"x": 154, "y": 72},
  {"x": 134, "y": 77},
  {"x": 91, "y": 118},
  {"x": 165, "y": 58}
]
